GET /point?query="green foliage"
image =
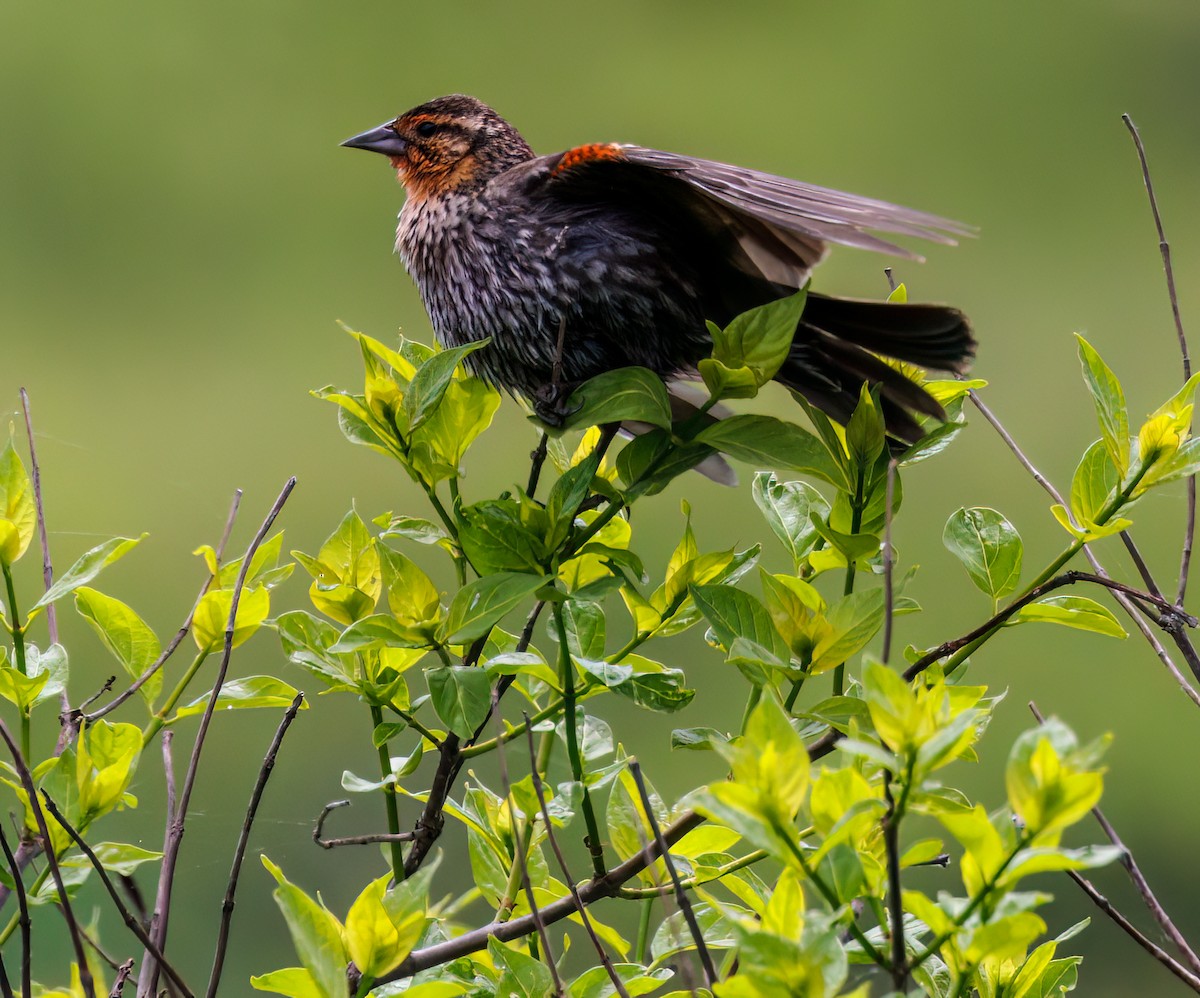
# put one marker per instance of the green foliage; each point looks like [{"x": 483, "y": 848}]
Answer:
[{"x": 812, "y": 812}]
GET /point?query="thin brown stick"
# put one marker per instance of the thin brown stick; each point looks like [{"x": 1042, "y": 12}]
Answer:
[
  {"x": 1149, "y": 898},
  {"x": 1058, "y": 582},
  {"x": 47, "y": 568},
  {"x": 23, "y": 909},
  {"x": 1159, "y": 954},
  {"x": 580, "y": 906},
  {"x": 450, "y": 762},
  {"x": 239, "y": 853},
  {"x": 681, "y": 898},
  {"x": 351, "y": 840},
  {"x": 127, "y": 916},
  {"x": 1139, "y": 621},
  {"x": 1164, "y": 249},
  {"x": 64, "y": 901},
  {"x": 123, "y": 974},
  {"x": 520, "y": 851},
  {"x": 174, "y": 841},
  {"x": 179, "y": 635}
]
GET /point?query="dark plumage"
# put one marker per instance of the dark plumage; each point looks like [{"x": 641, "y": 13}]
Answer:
[{"x": 633, "y": 249}]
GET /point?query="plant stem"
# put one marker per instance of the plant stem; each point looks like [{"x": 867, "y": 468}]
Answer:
[
  {"x": 1111, "y": 508},
  {"x": 961, "y": 918},
  {"x": 17, "y": 630},
  {"x": 567, "y": 674},
  {"x": 160, "y": 716},
  {"x": 389, "y": 800},
  {"x": 787, "y": 834},
  {"x": 522, "y": 837},
  {"x": 642, "y": 946},
  {"x": 856, "y": 512},
  {"x": 519, "y": 729}
]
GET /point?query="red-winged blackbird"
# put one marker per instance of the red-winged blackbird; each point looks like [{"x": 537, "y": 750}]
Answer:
[{"x": 629, "y": 250}]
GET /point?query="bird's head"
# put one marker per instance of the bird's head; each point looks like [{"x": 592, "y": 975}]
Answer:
[{"x": 448, "y": 144}]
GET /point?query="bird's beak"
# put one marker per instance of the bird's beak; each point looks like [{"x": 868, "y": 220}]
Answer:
[{"x": 382, "y": 140}]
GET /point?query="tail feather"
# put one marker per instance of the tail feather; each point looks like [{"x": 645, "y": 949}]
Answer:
[
  {"x": 836, "y": 346},
  {"x": 934, "y": 336}
]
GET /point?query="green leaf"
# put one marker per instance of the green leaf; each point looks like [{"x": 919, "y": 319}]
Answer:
[
  {"x": 18, "y": 514},
  {"x": 852, "y": 622},
  {"x": 1071, "y": 611},
  {"x": 413, "y": 528},
  {"x": 697, "y": 739},
  {"x": 88, "y": 567},
  {"x": 18, "y": 689},
  {"x": 249, "y": 691},
  {"x": 865, "y": 434},
  {"x": 567, "y": 496},
  {"x": 124, "y": 634},
  {"x": 483, "y": 603},
  {"x": 789, "y": 508},
  {"x": 461, "y": 697},
  {"x": 383, "y": 926},
  {"x": 596, "y": 983},
  {"x": 380, "y": 630},
  {"x": 628, "y": 393},
  {"x": 767, "y": 441},
  {"x": 1110, "y": 404},
  {"x": 116, "y": 857},
  {"x": 412, "y": 596},
  {"x": 106, "y": 757},
  {"x": 1095, "y": 480},
  {"x": 760, "y": 338},
  {"x": 428, "y": 386},
  {"x": 495, "y": 538},
  {"x": 988, "y": 546},
  {"x": 521, "y": 976},
  {"x": 212, "y": 617},
  {"x": 295, "y": 982},
  {"x": 654, "y": 686},
  {"x": 735, "y": 614},
  {"x": 316, "y": 935},
  {"x": 437, "y": 447},
  {"x": 727, "y": 382}
]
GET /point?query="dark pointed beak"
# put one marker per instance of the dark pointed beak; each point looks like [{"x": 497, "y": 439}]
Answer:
[{"x": 382, "y": 140}]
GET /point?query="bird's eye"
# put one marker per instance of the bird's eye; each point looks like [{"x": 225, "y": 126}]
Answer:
[{"x": 426, "y": 129}]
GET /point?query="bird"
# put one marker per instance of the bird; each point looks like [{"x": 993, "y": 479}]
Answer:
[{"x": 611, "y": 255}]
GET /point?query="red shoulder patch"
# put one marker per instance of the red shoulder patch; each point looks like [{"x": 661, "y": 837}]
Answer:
[{"x": 593, "y": 153}]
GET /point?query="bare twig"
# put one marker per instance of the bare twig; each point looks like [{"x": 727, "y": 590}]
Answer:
[
  {"x": 26, "y": 777},
  {"x": 1065, "y": 579},
  {"x": 148, "y": 977},
  {"x": 127, "y": 917},
  {"x": 123, "y": 974},
  {"x": 889, "y": 553},
  {"x": 239, "y": 853},
  {"x": 1164, "y": 249},
  {"x": 23, "y": 909},
  {"x": 1153, "y": 905},
  {"x": 1159, "y": 954},
  {"x": 179, "y": 635},
  {"x": 450, "y": 762},
  {"x": 520, "y": 850},
  {"x": 536, "y": 459},
  {"x": 1180, "y": 639},
  {"x": 47, "y": 568},
  {"x": 352, "y": 840},
  {"x": 580, "y": 905},
  {"x": 681, "y": 898}
]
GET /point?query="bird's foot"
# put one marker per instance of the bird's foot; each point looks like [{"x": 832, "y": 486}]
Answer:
[{"x": 550, "y": 403}]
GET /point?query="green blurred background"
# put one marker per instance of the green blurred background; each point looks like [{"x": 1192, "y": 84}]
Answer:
[{"x": 179, "y": 232}]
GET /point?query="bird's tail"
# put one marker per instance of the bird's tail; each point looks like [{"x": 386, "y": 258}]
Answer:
[{"x": 835, "y": 350}]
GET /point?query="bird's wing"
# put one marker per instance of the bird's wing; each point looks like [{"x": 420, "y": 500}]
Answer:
[{"x": 781, "y": 225}]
